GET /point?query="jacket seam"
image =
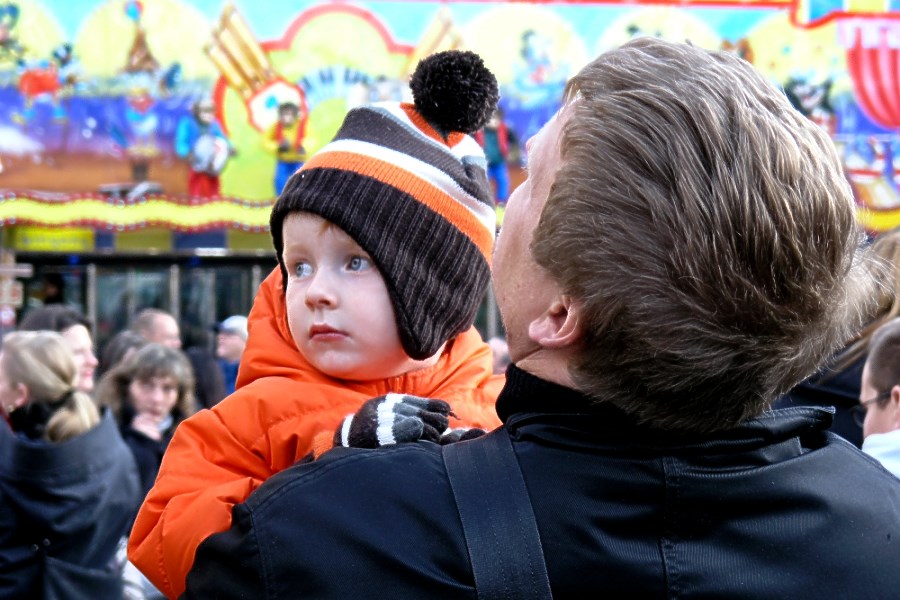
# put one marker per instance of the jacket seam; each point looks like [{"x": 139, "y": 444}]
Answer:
[
  {"x": 668, "y": 466},
  {"x": 265, "y": 562}
]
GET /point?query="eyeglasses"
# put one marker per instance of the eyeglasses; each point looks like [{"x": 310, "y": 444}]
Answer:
[{"x": 859, "y": 411}]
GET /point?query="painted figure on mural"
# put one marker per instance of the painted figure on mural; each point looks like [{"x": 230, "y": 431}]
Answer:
[
  {"x": 201, "y": 141},
  {"x": 533, "y": 95},
  {"x": 540, "y": 77},
  {"x": 285, "y": 140},
  {"x": 501, "y": 148},
  {"x": 813, "y": 99},
  {"x": 10, "y": 48},
  {"x": 45, "y": 82}
]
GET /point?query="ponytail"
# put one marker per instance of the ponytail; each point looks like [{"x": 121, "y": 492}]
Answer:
[
  {"x": 76, "y": 416},
  {"x": 43, "y": 363}
]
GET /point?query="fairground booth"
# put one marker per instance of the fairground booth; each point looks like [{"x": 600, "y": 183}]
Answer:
[{"x": 142, "y": 141}]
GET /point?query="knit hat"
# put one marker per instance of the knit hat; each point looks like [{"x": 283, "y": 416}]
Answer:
[{"x": 408, "y": 184}]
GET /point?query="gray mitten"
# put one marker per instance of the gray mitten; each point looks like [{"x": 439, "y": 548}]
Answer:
[{"x": 394, "y": 419}]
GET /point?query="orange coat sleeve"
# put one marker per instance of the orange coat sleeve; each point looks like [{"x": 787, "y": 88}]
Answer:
[{"x": 214, "y": 461}]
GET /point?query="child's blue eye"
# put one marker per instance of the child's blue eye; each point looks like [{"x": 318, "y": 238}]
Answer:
[
  {"x": 303, "y": 269},
  {"x": 358, "y": 263}
]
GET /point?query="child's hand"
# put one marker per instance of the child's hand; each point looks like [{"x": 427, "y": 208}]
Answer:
[
  {"x": 460, "y": 435},
  {"x": 394, "y": 419},
  {"x": 148, "y": 425}
]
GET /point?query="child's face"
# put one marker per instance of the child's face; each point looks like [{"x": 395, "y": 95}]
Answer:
[{"x": 339, "y": 311}]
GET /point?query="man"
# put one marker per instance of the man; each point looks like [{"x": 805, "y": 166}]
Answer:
[
  {"x": 684, "y": 250},
  {"x": 231, "y": 339},
  {"x": 157, "y": 326},
  {"x": 879, "y": 397}
]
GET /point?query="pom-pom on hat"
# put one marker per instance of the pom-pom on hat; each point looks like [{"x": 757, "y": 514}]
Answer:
[{"x": 409, "y": 185}]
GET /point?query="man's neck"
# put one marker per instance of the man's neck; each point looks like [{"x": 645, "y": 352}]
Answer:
[{"x": 550, "y": 366}]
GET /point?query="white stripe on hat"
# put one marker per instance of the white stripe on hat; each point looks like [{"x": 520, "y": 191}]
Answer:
[
  {"x": 467, "y": 150},
  {"x": 421, "y": 170}
]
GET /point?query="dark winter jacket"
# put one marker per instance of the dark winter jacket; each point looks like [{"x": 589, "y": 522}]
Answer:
[
  {"x": 776, "y": 508},
  {"x": 63, "y": 510},
  {"x": 829, "y": 387},
  {"x": 147, "y": 452}
]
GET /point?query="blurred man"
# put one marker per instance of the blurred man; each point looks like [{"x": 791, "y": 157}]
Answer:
[
  {"x": 157, "y": 326},
  {"x": 879, "y": 397},
  {"x": 231, "y": 338}
]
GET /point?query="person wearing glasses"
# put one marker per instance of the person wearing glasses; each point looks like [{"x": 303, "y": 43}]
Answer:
[{"x": 878, "y": 411}]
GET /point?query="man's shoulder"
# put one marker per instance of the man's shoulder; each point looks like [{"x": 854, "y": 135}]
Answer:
[
  {"x": 356, "y": 523},
  {"x": 400, "y": 470}
]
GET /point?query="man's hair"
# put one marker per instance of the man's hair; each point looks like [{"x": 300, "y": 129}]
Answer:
[
  {"x": 886, "y": 300},
  {"x": 709, "y": 232},
  {"x": 145, "y": 320},
  {"x": 884, "y": 358}
]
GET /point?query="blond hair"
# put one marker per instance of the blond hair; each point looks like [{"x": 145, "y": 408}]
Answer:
[
  {"x": 709, "y": 231},
  {"x": 43, "y": 363}
]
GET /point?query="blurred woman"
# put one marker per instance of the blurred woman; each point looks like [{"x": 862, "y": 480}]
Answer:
[
  {"x": 75, "y": 329},
  {"x": 68, "y": 487},
  {"x": 150, "y": 392}
]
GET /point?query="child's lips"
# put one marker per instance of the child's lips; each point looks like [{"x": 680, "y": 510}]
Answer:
[{"x": 324, "y": 333}]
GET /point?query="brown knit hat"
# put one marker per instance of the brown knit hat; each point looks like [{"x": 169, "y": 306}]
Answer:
[{"x": 408, "y": 184}]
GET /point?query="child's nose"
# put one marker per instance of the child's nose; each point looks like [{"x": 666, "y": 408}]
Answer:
[{"x": 321, "y": 290}]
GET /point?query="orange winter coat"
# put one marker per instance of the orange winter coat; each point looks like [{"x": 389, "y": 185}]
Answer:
[{"x": 219, "y": 456}]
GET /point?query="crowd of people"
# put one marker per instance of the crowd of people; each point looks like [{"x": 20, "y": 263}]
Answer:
[
  {"x": 683, "y": 255},
  {"x": 84, "y": 442}
]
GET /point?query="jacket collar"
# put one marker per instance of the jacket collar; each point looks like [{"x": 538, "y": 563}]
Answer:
[{"x": 527, "y": 400}]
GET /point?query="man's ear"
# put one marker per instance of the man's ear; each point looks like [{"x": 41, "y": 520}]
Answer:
[
  {"x": 894, "y": 403},
  {"x": 560, "y": 325}
]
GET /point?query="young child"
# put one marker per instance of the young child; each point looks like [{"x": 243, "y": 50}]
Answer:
[{"x": 383, "y": 241}]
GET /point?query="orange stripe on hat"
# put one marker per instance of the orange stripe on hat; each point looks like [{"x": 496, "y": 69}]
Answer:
[
  {"x": 405, "y": 181},
  {"x": 453, "y": 139}
]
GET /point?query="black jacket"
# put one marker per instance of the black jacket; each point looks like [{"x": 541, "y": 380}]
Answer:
[
  {"x": 777, "y": 508},
  {"x": 829, "y": 387},
  {"x": 147, "y": 452},
  {"x": 63, "y": 509}
]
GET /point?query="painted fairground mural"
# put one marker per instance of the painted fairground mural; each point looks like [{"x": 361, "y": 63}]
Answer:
[{"x": 123, "y": 113}]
